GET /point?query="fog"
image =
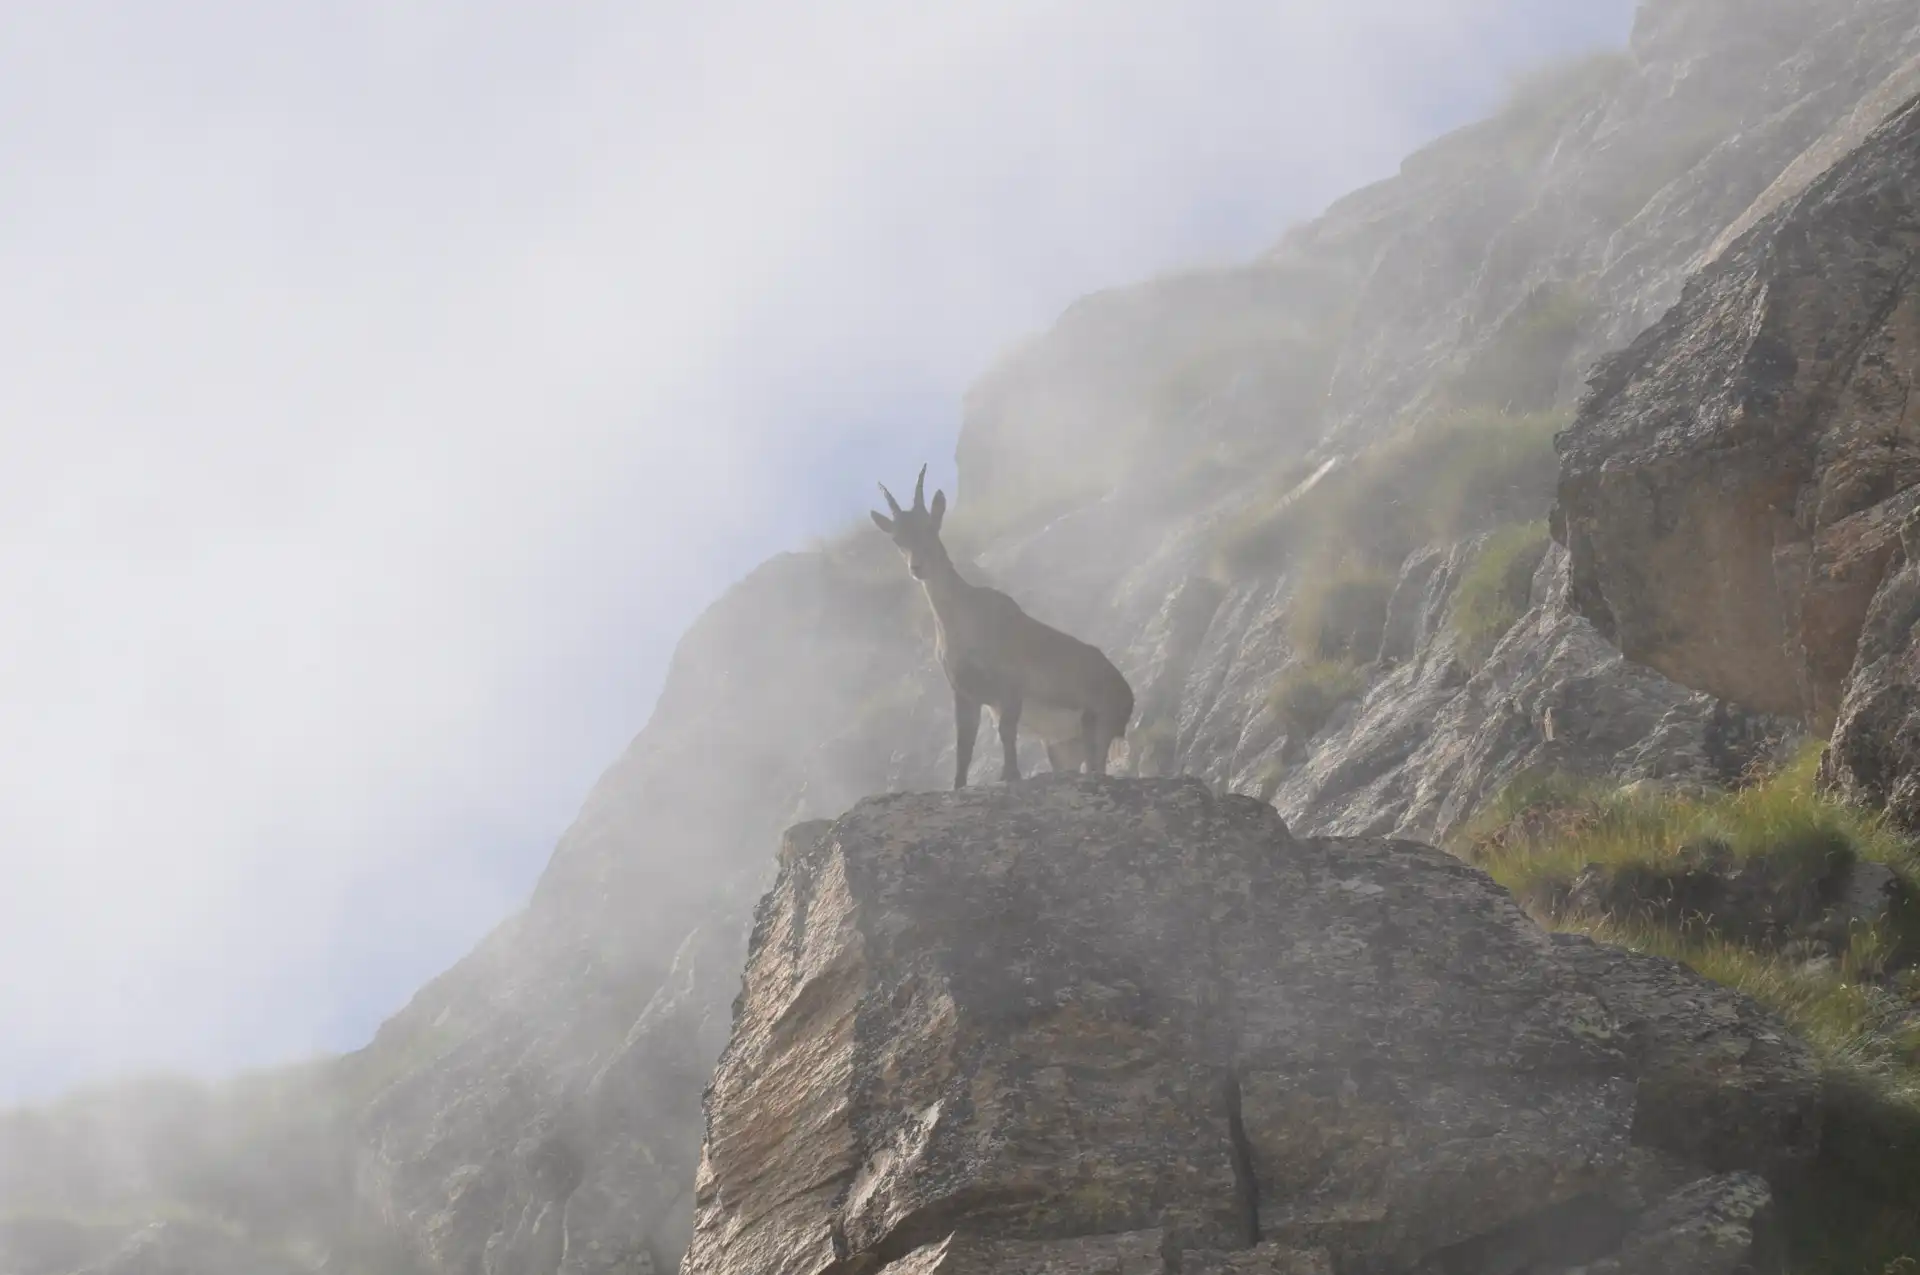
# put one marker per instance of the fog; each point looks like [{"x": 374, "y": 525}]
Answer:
[{"x": 387, "y": 386}]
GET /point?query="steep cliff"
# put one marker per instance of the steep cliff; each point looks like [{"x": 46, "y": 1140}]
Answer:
[{"x": 1297, "y": 501}]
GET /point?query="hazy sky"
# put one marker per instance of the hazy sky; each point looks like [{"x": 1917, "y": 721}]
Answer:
[{"x": 386, "y": 384}]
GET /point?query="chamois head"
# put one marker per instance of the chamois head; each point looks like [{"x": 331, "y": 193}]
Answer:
[{"x": 916, "y": 531}]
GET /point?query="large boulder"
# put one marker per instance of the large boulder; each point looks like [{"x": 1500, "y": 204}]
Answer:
[
  {"x": 1732, "y": 491},
  {"x": 1110, "y": 1025}
]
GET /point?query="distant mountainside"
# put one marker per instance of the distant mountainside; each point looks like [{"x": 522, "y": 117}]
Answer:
[{"x": 1308, "y": 506}]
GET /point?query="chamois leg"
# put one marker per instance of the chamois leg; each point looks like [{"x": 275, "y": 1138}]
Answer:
[
  {"x": 1009, "y": 717},
  {"x": 1093, "y": 738},
  {"x": 966, "y": 725}
]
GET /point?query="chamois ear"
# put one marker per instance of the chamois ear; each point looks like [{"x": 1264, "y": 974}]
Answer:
[
  {"x": 881, "y": 521},
  {"x": 939, "y": 508}
]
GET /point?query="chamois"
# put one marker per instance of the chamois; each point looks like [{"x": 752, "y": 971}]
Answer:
[{"x": 996, "y": 654}]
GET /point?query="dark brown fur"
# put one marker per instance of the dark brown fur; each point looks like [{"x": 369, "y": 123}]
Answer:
[{"x": 994, "y": 654}]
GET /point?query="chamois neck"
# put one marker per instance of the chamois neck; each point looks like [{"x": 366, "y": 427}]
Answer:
[{"x": 943, "y": 584}]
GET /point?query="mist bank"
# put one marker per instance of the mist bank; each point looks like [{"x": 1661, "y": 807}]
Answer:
[{"x": 1306, "y": 504}]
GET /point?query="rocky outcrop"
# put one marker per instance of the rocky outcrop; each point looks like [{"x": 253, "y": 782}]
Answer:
[
  {"x": 1732, "y": 492},
  {"x": 1110, "y": 1025}
]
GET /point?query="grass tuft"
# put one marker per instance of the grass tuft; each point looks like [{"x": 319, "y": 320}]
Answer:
[{"x": 1544, "y": 830}]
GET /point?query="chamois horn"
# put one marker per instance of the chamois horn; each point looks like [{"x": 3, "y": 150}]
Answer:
[
  {"x": 920, "y": 490},
  {"x": 892, "y": 504}
]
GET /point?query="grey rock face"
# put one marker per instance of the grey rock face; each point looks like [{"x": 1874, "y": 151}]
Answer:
[
  {"x": 1875, "y": 754},
  {"x": 1732, "y": 491},
  {"x": 1709, "y": 1227},
  {"x": 56, "y": 1246},
  {"x": 1100, "y": 1025}
]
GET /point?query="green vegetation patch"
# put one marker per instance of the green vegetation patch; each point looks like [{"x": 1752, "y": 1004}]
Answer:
[
  {"x": 1467, "y": 472},
  {"x": 1545, "y": 836},
  {"x": 1494, "y": 591},
  {"x": 1857, "y": 1005}
]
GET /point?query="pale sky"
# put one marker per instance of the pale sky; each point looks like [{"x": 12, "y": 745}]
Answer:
[{"x": 386, "y": 385}]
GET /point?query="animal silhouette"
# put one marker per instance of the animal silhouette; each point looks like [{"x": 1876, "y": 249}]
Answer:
[{"x": 995, "y": 654}]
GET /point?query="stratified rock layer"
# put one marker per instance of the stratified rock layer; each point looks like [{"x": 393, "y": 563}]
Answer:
[{"x": 1110, "y": 1025}]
